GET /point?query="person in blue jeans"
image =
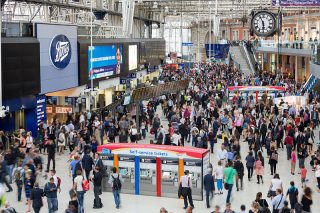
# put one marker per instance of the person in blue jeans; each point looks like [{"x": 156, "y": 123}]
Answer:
[
  {"x": 115, "y": 180},
  {"x": 79, "y": 189},
  {"x": 229, "y": 175},
  {"x": 50, "y": 190}
]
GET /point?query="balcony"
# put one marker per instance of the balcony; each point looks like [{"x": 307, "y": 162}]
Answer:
[{"x": 296, "y": 48}]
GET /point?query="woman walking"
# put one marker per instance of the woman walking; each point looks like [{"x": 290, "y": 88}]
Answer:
[
  {"x": 293, "y": 160},
  {"x": 306, "y": 200},
  {"x": 273, "y": 160},
  {"x": 259, "y": 167}
]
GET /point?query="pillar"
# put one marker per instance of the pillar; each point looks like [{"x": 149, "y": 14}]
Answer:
[
  {"x": 296, "y": 69},
  {"x": 181, "y": 168},
  {"x": 137, "y": 175},
  {"x": 108, "y": 96},
  {"x": 116, "y": 161},
  {"x": 61, "y": 100},
  {"x": 159, "y": 176}
]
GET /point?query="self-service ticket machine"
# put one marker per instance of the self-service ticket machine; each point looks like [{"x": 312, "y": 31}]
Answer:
[
  {"x": 169, "y": 177},
  {"x": 148, "y": 176},
  {"x": 107, "y": 161},
  {"x": 127, "y": 171},
  {"x": 195, "y": 174},
  {"x": 156, "y": 169}
]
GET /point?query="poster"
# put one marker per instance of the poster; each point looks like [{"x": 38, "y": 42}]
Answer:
[
  {"x": 295, "y": 3},
  {"x": 106, "y": 61},
  {"x": 217, "y": 51}
]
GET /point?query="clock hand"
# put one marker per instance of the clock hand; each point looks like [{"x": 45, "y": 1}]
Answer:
[{"x": 263, "y": 25}]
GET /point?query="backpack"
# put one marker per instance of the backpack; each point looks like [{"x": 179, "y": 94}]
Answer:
[
  {"x": 116, "y": 183},
  {"x": 274, "y": 156},
  {"x": 78, "y": 166},
  {"x": 17, "y": 176}
]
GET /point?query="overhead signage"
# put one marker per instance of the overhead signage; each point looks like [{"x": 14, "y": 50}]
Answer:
[
  {"x": 295, "y": 3},
  {"x": 41, "y": 109},
  {"x": 187, "y": 44},
  {"x": 106, "y": 61},
  {"x": 147, "y": 150},
  {"x": 60, "y": 51}
]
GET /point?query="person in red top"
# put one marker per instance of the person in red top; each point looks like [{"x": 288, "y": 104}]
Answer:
[
  {"x": 303, "y": 173},
  {"x": 288, "y": 141}
]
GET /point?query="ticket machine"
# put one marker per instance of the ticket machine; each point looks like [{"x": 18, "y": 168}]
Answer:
[
  {"x": 169, "y": 178},
  {"x": 107, "y": 160},
  {"x": 127, "y": 171},
  {"x": 148, "y": 176},
  {"x": 195, "y": 174}
]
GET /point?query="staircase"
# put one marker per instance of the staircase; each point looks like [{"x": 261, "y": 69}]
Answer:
[
  {"x": 240, "y": 58},
  {"x": 311, "y": 82}
]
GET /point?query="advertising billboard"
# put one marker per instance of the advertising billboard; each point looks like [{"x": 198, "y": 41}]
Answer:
[
  {"x": 106, "y": 61},
  {"x": 133, "y": 57},
  {"x": 295, "y": 3},
  {"x": 58, "y": 57},
  {"x": 217, "y": 51}
]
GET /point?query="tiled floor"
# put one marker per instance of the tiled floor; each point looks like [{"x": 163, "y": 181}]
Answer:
[{"x": 149, "y": 204}]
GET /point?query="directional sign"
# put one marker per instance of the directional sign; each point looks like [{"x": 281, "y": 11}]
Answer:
[
  {"x": 187, "y": 44},
  {"x": 132, "y": 75}
]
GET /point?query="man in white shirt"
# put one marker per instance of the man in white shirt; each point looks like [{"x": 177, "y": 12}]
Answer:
[
  {"x": 222, "y": 154},
  {"x": 278, "y": 200},
  {"x": 186, "y": 192},
  {"x": 175, "y": 138}
]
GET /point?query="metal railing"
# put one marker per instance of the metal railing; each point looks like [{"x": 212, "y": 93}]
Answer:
[
  {"x": 297, "y": 44},
  {"x": 245, "y": 53}
]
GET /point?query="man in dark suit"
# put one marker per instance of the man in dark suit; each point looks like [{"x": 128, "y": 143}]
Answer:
[
  {"x": 87, "y": 163},
  {"x": 208, "y": 183},
  {"x": 51, "y": 147},
  {"x": 98, "y": 163},
  {"x": 36, "y": 197}
]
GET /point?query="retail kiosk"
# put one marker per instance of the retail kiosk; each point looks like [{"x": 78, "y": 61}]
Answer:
[{"x": 155, "y": 169}]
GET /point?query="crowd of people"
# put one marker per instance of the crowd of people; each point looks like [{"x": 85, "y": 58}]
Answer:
[{"x": 201, "y": 116}]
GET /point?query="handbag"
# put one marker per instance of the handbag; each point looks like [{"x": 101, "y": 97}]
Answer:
[
  {"x": 85, "y": 185},
  {"x": 226, "y": 186},
  {"x": 269, "y": 194}
]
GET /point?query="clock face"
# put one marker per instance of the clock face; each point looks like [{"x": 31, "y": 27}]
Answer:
[{"x": 263, "y": 23}]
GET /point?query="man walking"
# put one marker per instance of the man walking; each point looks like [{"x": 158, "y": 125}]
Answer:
[
  {"x": 186, "y": 185},
  {"x": 209, "y": 186},
  {"x": 97, "y": 179},
  {"x": 229, "y": 174},
  {"x": 36, "y": 197},
  {"x": 50, "y": 190},
  {"x": 115, "y": 180},
  {"x": 51, "y": 148}
]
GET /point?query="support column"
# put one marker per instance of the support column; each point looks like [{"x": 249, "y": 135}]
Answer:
[
  {"x": 181, "y": 168},
  {"x": 116, "y": 161},
  {"x": 61, "y": 100},
  {"x": 137, "y": 175},
  {"x": 296, "y": 69},
  {"x": 159, "y": 176}
]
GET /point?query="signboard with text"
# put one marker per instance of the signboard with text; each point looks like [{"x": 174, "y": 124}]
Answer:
[
  {"x": 296, "y": 3},
  {"x": 41, "y": 109}
]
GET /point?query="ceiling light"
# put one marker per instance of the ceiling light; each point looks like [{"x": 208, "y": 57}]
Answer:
[
  {"x": 155, "y": 5},
  {"x": 166, "y": 9}
]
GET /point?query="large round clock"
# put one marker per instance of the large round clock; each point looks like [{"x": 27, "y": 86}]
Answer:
[{"x": 263, "y": 24}]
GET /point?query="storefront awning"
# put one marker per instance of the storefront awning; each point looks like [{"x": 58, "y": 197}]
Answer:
[{"x": 72, "y": 92}]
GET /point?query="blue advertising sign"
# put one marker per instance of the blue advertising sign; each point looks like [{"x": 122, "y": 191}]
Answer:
[
  {"x": 187, "y": 44},
  {"x": 41, "y": 109},
  {"x": 106, "y": 61},
  {"x": 218, "y": 51},
  {"x": 60, "y": 51},
  {"x": 295, "y": 3}
]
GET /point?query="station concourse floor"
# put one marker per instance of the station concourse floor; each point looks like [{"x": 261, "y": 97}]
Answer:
[{"x": 149, "y": 204}]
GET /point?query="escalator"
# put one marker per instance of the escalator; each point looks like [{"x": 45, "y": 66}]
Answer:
[
  {"x": 312, "y": 83},
  {"x": 252, "y": 56}
]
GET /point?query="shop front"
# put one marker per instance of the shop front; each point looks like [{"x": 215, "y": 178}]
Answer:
[{"x": 20, "y": 83}]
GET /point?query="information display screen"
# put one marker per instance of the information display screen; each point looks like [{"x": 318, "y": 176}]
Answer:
[
  {"x": 133, "y": 57},
  {"x": 106, "y": 61}
]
